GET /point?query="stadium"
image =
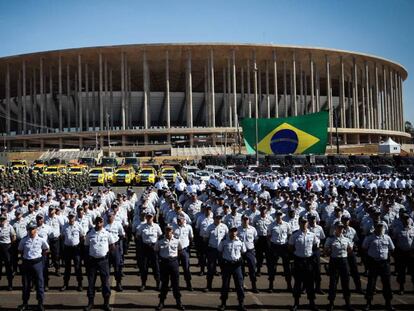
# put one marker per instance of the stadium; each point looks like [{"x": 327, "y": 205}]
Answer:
[{"x": 156, "y": 97}]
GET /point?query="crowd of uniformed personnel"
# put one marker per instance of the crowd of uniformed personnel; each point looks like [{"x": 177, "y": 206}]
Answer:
[
  {"x": 236, "y": 224},
  {"x": 26, "y": 180}
]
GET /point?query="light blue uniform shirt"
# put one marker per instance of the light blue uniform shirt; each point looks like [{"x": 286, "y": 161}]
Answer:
[
  {"x": 262, "y": 224},
  {"x": 303, "y": 243},
  {"x": 115, "y": 230},
  {"x": 215, "y": 234},
  {"x": 54, "y": 224},
  {"x": 168, "y": 248},
  {"x": 6, "y": 233},
  {"x": 20, "y": 228},
  {"x": 184, "y": 233},
  {"x": 149, "y": 233},
  {"x": 279, "y": 233},
  {"x": 98, "y": 242},
  {"x": 232, "y": 220},
  {"x": 247, "y": 235},
  {"x": 378, "y": 246},
  {"x": 32, "y": 248},
  {"x": 338, "y": 246},
  {"x": 72, "y": 234},
  {"x": 232, "y": 250}
]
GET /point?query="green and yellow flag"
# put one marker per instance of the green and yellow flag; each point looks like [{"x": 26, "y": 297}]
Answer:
[{"x": 297, "y": 135}]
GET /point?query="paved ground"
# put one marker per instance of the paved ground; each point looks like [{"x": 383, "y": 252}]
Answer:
[{"x": 131, "y": 299}]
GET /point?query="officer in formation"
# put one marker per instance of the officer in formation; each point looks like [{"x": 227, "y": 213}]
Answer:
[{"x": 287, "y": 211}]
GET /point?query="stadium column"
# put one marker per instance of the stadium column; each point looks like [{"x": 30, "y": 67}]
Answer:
[
  {"x": 228, "y": 89},
  {"x": 101, "y": 108},
  {"x": 243, "y": 97},
  {"x": 107, "y": 114},
  {"x": 328, "y": 96},
  {"x": 385, "y": 98},
  {"x": 397, "y": 105},
  {"x": 377, "y": 99},
  {"x": 8, "y": 116},
  {"x": 80, "y": 99},
  {"x": 68, "y": 110},
  {"x": 146, "y": 93},
  {"x": 167, "y": 93},
  {"x": 275, "y": 84},
  {"x": 189, "y": 98},
  {"x": 213, "y": 100},
  {"x": 235, "y": 112},
  {"x": 367, "y": 97},
  {"x": 87, "y": 97},
  {"x": 249, "y": 98},
  {"x": 285, "y": 88},
  {"x": 400, "y": 89},
  {"x": 42, "y": 99},
  {"x": 24, "y": 102},
  {"x": 342, "y": 93},
  {"x": 60, "y": 99},
  {"x": 355, "y": 96},
  {"x": 391, "y": 102},
  {"x": 267, "y": 90},
  {"x": 318, "y": 90},
  {"x": 312, "y": 82},
  {"x": 301, "y": 101},
  {"x": 123, "y": 90},
  {"x": 295, "y": 104},
  {"x": 51, "y": 101}
]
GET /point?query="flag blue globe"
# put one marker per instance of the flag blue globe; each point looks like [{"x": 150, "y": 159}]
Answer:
[{"x": 284, "y": 142}]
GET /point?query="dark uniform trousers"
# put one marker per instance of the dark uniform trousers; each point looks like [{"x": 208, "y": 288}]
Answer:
[
  {"x": 353, "y": 269},
  {"x": 5, "y": 258},
  {"x": 14, "y": 252},
  {"x": 169, "y": 271},
  {"x": 338, "y": 268},
  {"x": 115, "y": 260},
  {"x": 201, "y": 248},
  {"x": 54, "y": 245},
  {"x": 33, "y": 270},
  {"x": 232, "y": 269},
  {"x": 138, "y": 253},
  {"x": 379, "y": 268},
  {"x": 72, "y": 253},
  {"x": 101, "y": 266},
  {"x": 303, "y": 274},
  {"x": 279, "y": 251},
  {"x": 262, "y": 251},
  {"x": 149, "y": 259},
  {"x": 184, "y": 259},
  {"x": 213, "y": 256},
  {"x": 404, "y": 264},
  {"x": 317, "y": 269},
  {"x": 249, "y": 258}
]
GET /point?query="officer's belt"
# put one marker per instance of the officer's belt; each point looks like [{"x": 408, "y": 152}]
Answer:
[
  {"x": 99, "y": 258},
  {"x": 168, "y": 258},
  {"x": 232, "y": 262},
  {"x": 33, "y": 261}
]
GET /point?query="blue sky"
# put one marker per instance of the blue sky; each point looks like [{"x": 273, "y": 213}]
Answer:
[{"x": 378, "y": 27}]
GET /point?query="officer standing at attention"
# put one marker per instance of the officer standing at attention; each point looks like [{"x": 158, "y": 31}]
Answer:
[
  {"x": 378, "y": 246},
  {"x": 338, "y": 247},
  {"x": 168, "y": 250},
  {"x": 7, "y": 237},
  {"x": 148, "y": 234},
  {"x": 33, "y": 248},
  {"x": 99, "y": 241},
  {"x": 248, "y": 235},
  {"x": 231, "y": 250},
  {"x": 303, "y": 243},
  {"x": 72, "y": 235}
]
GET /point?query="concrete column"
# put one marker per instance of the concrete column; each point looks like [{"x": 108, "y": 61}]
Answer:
[
  {"x": 318, "y": 91},
  {"x": 256, "y": 100},
  {"x": 94, "y": 110},
  {"x": 101, "y": 107},
  {"x": 312, "y": 83},
  {"x": 267, "y": 90},
  {"x": 80, "y": 93},
  {"x": 243, "y": 95},
  {"x": 249, "y": 99},
  {"x": 87, "y": 98},
  {"x": 293, "y": 96},
  {"x": 42, "y": 98},
  {"x": 384, "y": 87},
  {"x": 275, "y": 85},
  {"x": 147, "y": 122},
  {"x": 342, "y": 93},
  {"x": 355, "y": 96},
  {"x": 51, "y": 105},
  {"x": 400, "y": 94},
  {"x": 167, "y": 89},
  {"x": 213, "y": 99},
  {"x": 189, "y": 91},
  {"x": 285, "y": 88},
  {"x": 123, "y": 116},
  {"x": 301, "y": 101},
  {"x": 224, "y": 109},
  {"x": 60, "y": 90},
  {"x": 68, "y": 108},
  {"x": 229, "y": 101},
  {"x": 377, "y": 100},
  {"x": 24, "y": 99},
  {"x": 111, "y": 99},
  {"x": 328, "y": 93},
  {"x": 207, "y": 93},
  {"x": 19, "y": 103},
  {"x": 392, "y": 102},
  {"x": 235, "y": 112},
  {"x": 368, "y": 101},
  {"x": 364, "y": 115},
  {"x": 396, "y": 101}
]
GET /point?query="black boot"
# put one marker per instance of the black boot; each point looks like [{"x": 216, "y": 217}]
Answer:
[
  {"x": 209, "y": 285},
  {"x": 10, "y": 285},
  {"x": 106, "y": 306},
  {"x": 22, "y": 307},
  {"x": 348, "y": 306},
  {"x": 179, "y": 305},
  {"x": 142, "y": 287},
  {"x": 241, "y": 306},
  {"x": 189, "y": 286},
  {"x": 295, "y": 304},
  {"x": 157, "y": 285},
  {"x": 401, "y": 291},
  {"x": 79, "y": 288},
  {"x": 40, "y": 306},
  {"x": 89, "y": 306},
  {"x": 368, "y": 305},
  {"x": 254, "y": 288},
  {"x": 160, "y": 305},
  {"x": 222, "y": 307},
  {"x": 270, "y": 290},
  {"x": 64, "y": 287},
  {"x": 312, "y": 305},
  {"x": 330, "y": 307},
  {"x": 118, "y": 287},
  {"x": 389, "y": 306}
]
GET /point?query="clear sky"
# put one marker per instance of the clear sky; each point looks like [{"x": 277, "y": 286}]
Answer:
[{"x": 380, "y": 27}]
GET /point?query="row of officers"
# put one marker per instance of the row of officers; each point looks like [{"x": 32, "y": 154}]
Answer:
[{"x": 231, "y": 248}]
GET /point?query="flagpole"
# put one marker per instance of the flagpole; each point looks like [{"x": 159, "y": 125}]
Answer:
[{"x": 256, "y": 108}]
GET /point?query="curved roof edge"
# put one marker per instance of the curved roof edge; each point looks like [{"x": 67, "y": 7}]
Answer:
[{"x": 268, "y": 45}]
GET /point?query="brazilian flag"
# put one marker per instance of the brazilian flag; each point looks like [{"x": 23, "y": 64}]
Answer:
[{"x": 293, "y": 135}]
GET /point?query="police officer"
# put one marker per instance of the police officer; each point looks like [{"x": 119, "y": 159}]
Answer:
[
  {"x": 7, "y": 237},
  {"x": 248, "y": 235},
  {"x": 168, "y": 249},
  {"x": 261, "y": 223},
  {"x": 215, "y": 233},
  {"x": 184, "y": 232},
  {"x": 231, "y": 251},
  {"x": 302, "y": 244},
  {"x": 99, "y": 241},
  {"x": 116, "y": 230},
  {"x": 33, "y": 248},
  {"x": 148, "y": 234},
  {"x": 338, "y": 247},
  {"x": 72, "y": 234},
  {"x": 378, "y": 246},
  {"x": 19, "y": 225},
  {"x": 279, "y": 232},
  {"x": 54, "y": 237}
]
